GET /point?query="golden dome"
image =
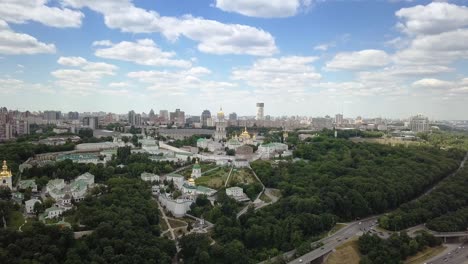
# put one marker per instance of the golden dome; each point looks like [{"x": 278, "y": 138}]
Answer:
[
  {"x": 245, "y": 134},
  {"x": 5, "y": 172},
  {"x": 191, "y": 181},
  {"x": 220, "y": 114}
]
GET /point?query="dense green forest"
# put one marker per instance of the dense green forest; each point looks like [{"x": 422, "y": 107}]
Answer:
[
  {"x": 334, "y": 180},
  {"x": 395, "y": 249},
  {"x": 441, "y": 205},
  {"x": 18, "y": 152},
  {"x": 451, "y": 222},
  {"x": 126, "y": 230}
]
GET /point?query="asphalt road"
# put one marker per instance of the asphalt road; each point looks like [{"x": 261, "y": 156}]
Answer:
[
  {"x": 458, "y": 255},
  {"x": 340, "y": 237}
]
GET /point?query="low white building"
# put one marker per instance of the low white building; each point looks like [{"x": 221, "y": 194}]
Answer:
[
  {"x": 197, "y": 190},
  {"x": 29, "y": 204},
  {"x": 176, "y": 178},
  {"x": 209, "y": 144},
  {"x": 53, "y": 212},
  {"x": 241, "y": 163},
  {"x": 87, "y": 177},
  {"x": 149, "y": 144},
  {"x": 55, "y": 184},
  {"x": 150, "y": 177},
  {"x": 25, "y": 184},
  {"x": 77, "y": 189},
  {"x": 222, "y": 162},
  {"x": 235, "y": 191},
  {"x": 270, "y": 149},
  {"x": 178, "y": 207}
]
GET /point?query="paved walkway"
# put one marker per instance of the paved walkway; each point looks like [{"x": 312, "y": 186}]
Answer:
[
  {"x": 25, "y": 222},
  {"x": 229, "y": 176},
  {"x": 170, "y": 229}
]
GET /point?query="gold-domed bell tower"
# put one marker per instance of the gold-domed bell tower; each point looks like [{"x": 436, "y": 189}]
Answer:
[
  {"x": 6, "y": 176},
  {"x": 220, "y": 133}
]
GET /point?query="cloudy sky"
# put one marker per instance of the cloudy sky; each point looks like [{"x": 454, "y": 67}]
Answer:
[{"x": 390, "y": 58}]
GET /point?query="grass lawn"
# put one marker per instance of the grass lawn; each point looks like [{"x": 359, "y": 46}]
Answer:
[
  {"x": 348, "y": 253},
  {"x": 16, "y": 220},
  {"x": 424, "y": 255},
  {"x": 244, "y": 176},
  {"x": 29, "y": 224},
  {"x": 188, "y": 219},
  {"x": 265, "y": 198},
  {"x": 276, "y": 192},
  {"x": 214, "y": 179},
  {"x": 163, "y": 224},
  {"x": 176, "y": 223}
]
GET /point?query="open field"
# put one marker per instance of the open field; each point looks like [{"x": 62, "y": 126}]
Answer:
[
  {"x": 163, "y": 224},
  {"x": 424, "y": 255},
  {"x": 244, "y": 176},
  {"x": 347, "y": 253},
  {"x": 176, "y": 223},
  {"x": 265, "y": 198},
  {"x": 214, "y": 179},
  {"x": 16, "y": 220}
]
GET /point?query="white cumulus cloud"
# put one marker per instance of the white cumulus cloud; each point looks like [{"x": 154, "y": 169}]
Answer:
[
  {"x": 263, "y": 8},
  {"x": 144, "y": 52},
  {"x": 279, "y": 73},
  {"x": 212, "y": 36},
  {"x": 21, "y": 11},
  {"x": 434, "y": 18},
  {"x": 84, "y": 77},
  {"x": 359, "y": 60},
  {"x": 13, "y": 43}
]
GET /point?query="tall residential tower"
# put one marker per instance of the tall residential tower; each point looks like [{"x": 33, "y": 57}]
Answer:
[{"x": 260, "y": 111}]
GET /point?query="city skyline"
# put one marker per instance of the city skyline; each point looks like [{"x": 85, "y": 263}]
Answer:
[{"x": 387, "y": 58}]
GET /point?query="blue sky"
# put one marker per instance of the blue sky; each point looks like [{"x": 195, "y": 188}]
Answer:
[{"x": 301, "y": 57}]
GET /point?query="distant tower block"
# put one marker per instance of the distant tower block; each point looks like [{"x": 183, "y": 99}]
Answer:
[{"x": 260, "y": 111}]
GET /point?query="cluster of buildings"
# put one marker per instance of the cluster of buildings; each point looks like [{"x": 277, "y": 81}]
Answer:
[
  {"x": 12, "y": 124},
  {"x": 62, "y": 192},
  {"x": 180, "y": 205}
]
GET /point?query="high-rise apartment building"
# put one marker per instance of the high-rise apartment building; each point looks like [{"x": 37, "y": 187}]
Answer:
[
  {"x": 73, "y": 116},
  {"x": 52, "y": 116},
  {"x": 232, "y": 117},
  {"x": 177, "y": 117},
  {"x": 338, "y": 119},
  {"x": 91, "y": 122},
  {"x": 419, "y": 123},
  {"x": 164, "y": 115},
  {"x": 138, "y": 120},
  {"x": 260, "y": 111},
  {"x": 204, "y": 117},
  {"x": 131, "y": 118}
]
